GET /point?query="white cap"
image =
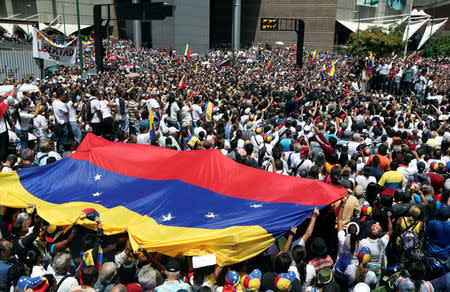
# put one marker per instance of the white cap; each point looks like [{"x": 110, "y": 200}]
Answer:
[{"x": 361, "y": 287}]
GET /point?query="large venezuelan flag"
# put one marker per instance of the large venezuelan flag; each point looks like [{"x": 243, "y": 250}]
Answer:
[{"x": 189, "y": 202}]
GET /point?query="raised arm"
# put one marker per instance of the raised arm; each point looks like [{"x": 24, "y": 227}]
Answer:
[{"x": 311, "y": 225}]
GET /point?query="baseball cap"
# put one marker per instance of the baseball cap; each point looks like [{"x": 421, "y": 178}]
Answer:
[
  {"x": 304, "y": 152},
  {"x": 38, "y": 284},
  {"x": 283, "y": 281},
  {"x": 253, "y": 280},
  {"x": 232, "y": 278},
  {"x": 173, "y": 266},
  {"x": 325, "y": 276}
]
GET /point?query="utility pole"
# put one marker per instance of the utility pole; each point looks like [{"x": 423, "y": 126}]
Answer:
[{"x": 405, "y": 51}]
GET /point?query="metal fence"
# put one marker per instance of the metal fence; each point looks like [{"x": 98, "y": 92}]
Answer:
[{"x": 21, "y": 65}]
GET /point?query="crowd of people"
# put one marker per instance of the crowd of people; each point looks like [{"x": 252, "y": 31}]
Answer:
[{"x": 377, "y": 127}]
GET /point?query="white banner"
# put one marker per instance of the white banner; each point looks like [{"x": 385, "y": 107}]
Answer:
[{"x": 47, "y": 48}]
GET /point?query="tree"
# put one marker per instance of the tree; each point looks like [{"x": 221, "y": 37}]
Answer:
[
  {"x": 378, "y": 40},
  {"x": 439, "y": 46}
]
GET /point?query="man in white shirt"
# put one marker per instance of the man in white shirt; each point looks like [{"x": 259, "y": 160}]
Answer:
[
  {"x": 60, "y": 113},
  {"x": 97, "y": 117},
  {"x": 73, "y": 123},
  {"x": 107, "y": 124},
  {"x": 59, "y": 268},
  {"x": 197, "y": 111}
]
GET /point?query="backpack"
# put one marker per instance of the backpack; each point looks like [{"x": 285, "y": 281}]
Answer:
[
  {"x": 409, "y": 239},
  {"x": 86, "y": 112}
]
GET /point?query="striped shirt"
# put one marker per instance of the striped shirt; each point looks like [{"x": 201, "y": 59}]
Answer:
[{"x": 391, "y": 181}]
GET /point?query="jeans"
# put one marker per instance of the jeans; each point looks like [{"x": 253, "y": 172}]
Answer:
[
  {"x": 73, "y": 127},
  {"x": 23, "y": 136},
  {"x": 134, "y": 127},
  {"x": 124, "y": 125},
  {"x": 61, "y": 132}
]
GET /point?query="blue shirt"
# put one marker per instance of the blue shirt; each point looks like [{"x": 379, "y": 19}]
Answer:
[
  {"x": 4, "y": 276},
  {"x": 438, "y": 239}
]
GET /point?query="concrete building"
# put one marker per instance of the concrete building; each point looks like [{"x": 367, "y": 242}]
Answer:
[
  {"x": 208, "y": 24},
  {"x": 319, "y": 17},
  {"x": 62, "y": 14}
]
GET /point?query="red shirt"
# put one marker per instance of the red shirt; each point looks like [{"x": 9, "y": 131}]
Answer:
[{"x": 437, "y": 182}]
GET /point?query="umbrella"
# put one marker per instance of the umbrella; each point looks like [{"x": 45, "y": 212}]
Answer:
[
  {"x": 280, "y": 43},
  {"x": 194, "y": 55},
  {"x": 51, "y": 69},
  {"x": 153, "y": 53},
  {"x": 133, "y": 75}
]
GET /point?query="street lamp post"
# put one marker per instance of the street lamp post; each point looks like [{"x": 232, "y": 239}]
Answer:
[
  {"x": 26, "y": 15},
  {"x": 80, "y": 49},
  {"x": 357, "y": 30},
  {"x": 64, "y": 17}
]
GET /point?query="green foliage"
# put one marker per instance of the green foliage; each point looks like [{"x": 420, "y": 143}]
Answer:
[
  {"x": 378, "y": 40},
  {"x": 439, "y": 46}
]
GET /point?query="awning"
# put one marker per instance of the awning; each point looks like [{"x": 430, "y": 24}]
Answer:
[
  {"x": 26, "y": 28},
  {"x": 431, "y": 29},
  {"x": 413, "y": 27},
  {"x": 353, "y": 25},
  {"x": 8, "y": 27},
  {"x": 70, "y": 28},
  {"x": 416, "y": 12}
]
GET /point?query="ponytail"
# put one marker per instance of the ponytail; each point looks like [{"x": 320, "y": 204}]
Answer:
[
  {"x": 354, "y": 241},
  {"x": 299, "y": 256},
  {"x": 360, "y": 274}
]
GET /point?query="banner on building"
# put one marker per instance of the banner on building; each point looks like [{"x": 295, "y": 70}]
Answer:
[
  {"x": 397, "y": 4},
  {"x": 370, "y": 3},
  {"x": 48, "y": 48}
]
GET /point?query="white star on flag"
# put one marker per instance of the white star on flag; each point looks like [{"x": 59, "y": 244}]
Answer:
[
  {"x": 97, "y": 177},
  {"x": 211, "y": 215},
  {"x": 256, "y": 206},
  {"x": 168, "y": 217},
  {"x": 97, "y": 194}
]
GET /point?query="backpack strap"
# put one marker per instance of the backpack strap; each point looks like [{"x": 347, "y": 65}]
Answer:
[
  {"x": 295, "y": 169},
  {"x": 61, "y": 281}
]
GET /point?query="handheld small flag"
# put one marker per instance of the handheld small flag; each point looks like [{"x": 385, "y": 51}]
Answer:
[
  {"x": 371, "y": 61},
  {"x": 196, "y": 69},
  {"x": 151, "y": 119},
  {"x": 92, "y": 60},
  {"x": 92, "y": 36},
  {"x": 294, "y": 47},
  {"x": 255, "y": 71},
  {"x": 207, "y": 116},
  {"x": 113, "y": 40},
  {"x": 269, "y": 66},
  {"x": 183, "y": 82},
  {"x": 313, "y": 56},
  {"x": 225, "y": 63},
  {"x": 332, "y": 70},
  {"x": 187, "y": 52}
]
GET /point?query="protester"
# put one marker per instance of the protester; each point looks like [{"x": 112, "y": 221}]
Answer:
[{"x": 380, "y": 131}]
